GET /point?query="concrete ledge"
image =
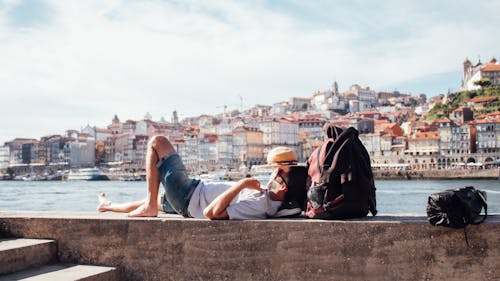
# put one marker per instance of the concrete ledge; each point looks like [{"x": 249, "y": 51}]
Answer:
[{"x": 173, "y": 248}]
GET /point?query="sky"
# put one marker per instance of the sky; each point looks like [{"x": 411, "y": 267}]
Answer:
[{"x": 66, "y": 64}]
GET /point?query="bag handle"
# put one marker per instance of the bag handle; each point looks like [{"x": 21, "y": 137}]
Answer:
[{"x": 484, "y": 205}]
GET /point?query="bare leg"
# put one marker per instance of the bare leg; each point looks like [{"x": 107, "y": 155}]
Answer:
[
  {"x": 106, "y": 205},
  {"x": 158, "y": 148}
]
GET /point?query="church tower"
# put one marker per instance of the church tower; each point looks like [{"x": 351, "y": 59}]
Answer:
[
  {"x": 335, "y": 88},
  {"x": 175, "y": 118},
  {"x": 115, "y": 120},
  {"x": 467, "y": 74}
]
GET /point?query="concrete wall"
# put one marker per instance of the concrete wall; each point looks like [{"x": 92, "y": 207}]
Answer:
[{"x": 172, "y": 248}]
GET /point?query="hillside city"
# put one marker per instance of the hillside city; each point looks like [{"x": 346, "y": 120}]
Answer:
[{"x": 400, "y": 132}]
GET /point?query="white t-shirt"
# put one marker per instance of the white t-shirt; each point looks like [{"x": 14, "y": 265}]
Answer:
[{"x": 249, "y": 204}]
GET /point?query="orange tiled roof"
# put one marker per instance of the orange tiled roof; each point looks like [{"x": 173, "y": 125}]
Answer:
[
  {"x": 491, "y": 67},
  {"x": 487, "y": 121},
  {"x": 482, "y": 99},
  {"x": 84, "y": 135},
  {"x": 443, "y": 120},
  {"x": 99, "y": 130},
  {"x": 381, "y": 122},
  {"x": 425, "y": 136},
  {"x": 247, "y": 129}
]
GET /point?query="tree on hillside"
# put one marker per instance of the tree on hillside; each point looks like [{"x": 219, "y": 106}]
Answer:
[
  {"x": 493, "y": 90},
  {"x": 484, "y": 82}
]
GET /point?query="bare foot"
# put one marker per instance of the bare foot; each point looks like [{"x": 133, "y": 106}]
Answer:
[
  {"x": 104, "y": 203},
  {"x": 144, "y": 211}
]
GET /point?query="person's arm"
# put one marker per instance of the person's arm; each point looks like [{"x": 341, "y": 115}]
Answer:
[{"x": 217, "y": 208}]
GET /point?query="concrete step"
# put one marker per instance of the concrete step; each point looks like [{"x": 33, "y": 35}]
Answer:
[
  {"x": 65, "y": 272},
  {"x": 18, "y": 254}
]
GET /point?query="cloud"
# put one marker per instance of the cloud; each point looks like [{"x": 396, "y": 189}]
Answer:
[{"x": 84, "y": 61}]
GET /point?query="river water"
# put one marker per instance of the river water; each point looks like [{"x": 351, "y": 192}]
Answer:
[{"x": 393, "y": 196}]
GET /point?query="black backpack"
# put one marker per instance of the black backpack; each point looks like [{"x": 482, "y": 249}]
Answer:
[
  {"x": 346, "y": 188},
  {"x": 457, "y": 208}
]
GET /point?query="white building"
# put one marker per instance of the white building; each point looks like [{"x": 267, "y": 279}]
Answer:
[
  {"x": 98, "y": 134},
  {"x": 280, "y": 108},
  {"x": 319, "y": 100},
  {"x": 365, "y": 97},
  {"x": 299, "y": 104},
  {"x": 141, "y": 128},
  {"x": 80, "y": 152},
  {"x": 224, "y": 127},
  {"x": 372, "y": 143},
  {"x": 473, "y": 73},
  {"x": 279, "y": 132},
  {"x": 354, "y": 106}
]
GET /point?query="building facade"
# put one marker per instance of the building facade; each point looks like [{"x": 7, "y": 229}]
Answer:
[{"x": 248, "y": 146}]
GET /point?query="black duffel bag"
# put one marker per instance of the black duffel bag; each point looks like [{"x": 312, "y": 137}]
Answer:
[{"x": 457, "y": 208}]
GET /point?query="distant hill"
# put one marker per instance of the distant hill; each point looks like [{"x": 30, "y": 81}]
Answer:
[{"x": 459, "y": 99}]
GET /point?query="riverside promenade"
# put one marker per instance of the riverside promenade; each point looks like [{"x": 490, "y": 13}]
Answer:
[
  {"x": 173, "y": 248},
  {"x": 438, "y": 174}
]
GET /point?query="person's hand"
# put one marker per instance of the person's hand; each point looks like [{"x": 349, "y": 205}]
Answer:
[{"x": 251, "y": 183}]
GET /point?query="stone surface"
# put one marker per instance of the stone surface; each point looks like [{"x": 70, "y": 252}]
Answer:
[
  {"x": 65, "y": 272},
  {"x": 173, "y": 248},
  {"x": 19, "y": 254}
]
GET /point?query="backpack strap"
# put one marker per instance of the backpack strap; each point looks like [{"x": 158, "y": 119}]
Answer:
[
  {"x": 320, "y": 169},
  {"x": 337, "y": 146},
  {"x": 326, "y": 165},
  {"x": 335, "y": 133}
]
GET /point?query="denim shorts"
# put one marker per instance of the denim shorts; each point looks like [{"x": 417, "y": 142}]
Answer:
[{"x": 178, "y": 186}]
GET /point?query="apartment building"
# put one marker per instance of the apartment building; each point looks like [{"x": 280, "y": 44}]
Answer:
[
  {"x": 225, "y": 155},
  {"x": 488, "y": 135},
  {"x": 279, "y": 132},
  {"x": 80, "y": 151},
  {"x": 248, "y": 145},
  {"x": 363, "y": 125},
  {"x": 22, "y": 150},
  {"x": 463, "y": 139},
  {"x": 313, "y": 126},
  {"x": 207, "y": 152},
  {"x": 372, "y": 143},
  {"x": 462, "y": 115},
  {"x": 445, "y": 135},
  {"x": 423, "y": 143},
  {"x": 115, "y": 146}
]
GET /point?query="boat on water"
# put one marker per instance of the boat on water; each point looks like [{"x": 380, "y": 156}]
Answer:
[
  {"x": 133, "y": 178},
  {"x": 209, "y": 177},
  {"x": 87, "y": 174},
  {"x": 220, "y": 175}
]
